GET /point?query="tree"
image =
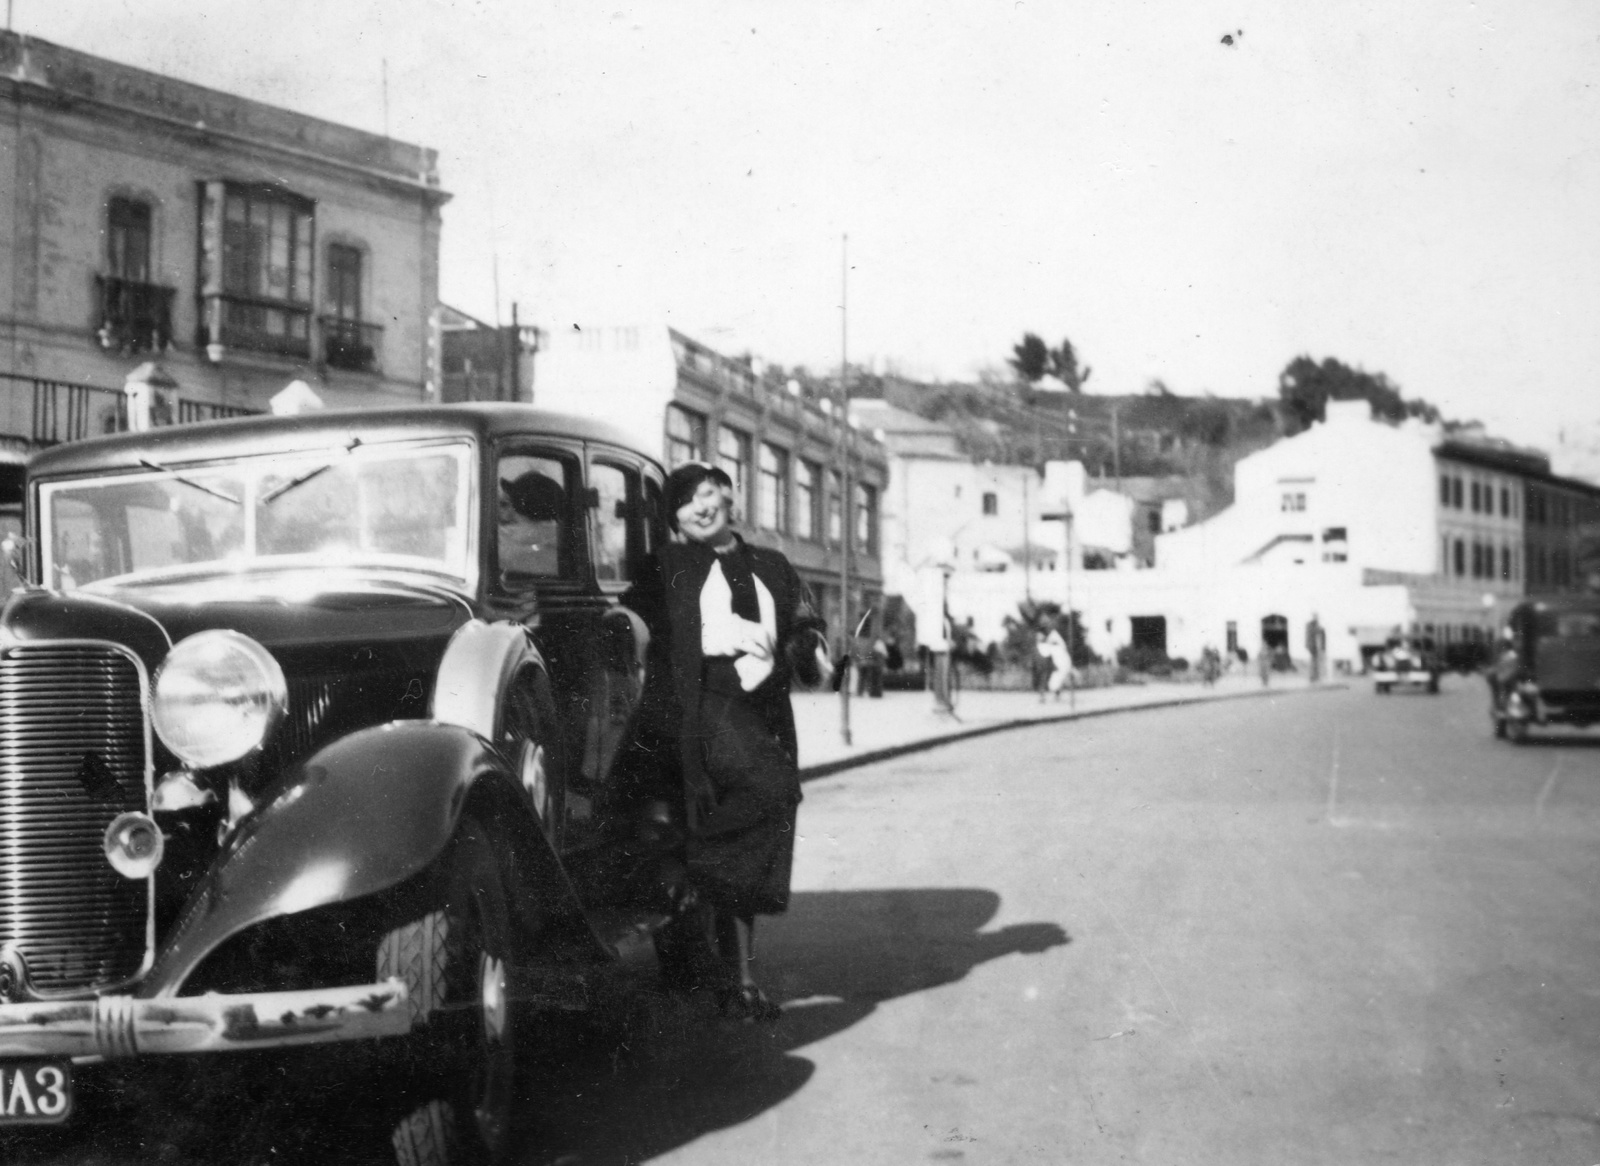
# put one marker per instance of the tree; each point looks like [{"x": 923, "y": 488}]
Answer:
[
  {"x": 1030, "y": 359},
  {"x": 1305, "y": 388},
  {"x": 1064, "y": 367},
  {"x": 1035, "y": 616}
]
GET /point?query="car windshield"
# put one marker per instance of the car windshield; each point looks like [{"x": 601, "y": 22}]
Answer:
[{"x": 403, "y": 506}]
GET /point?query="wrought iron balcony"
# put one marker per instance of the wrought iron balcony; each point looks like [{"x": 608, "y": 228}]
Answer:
[
  {"x": 351, "y": 344},
  {"x": 133, "y": 317}
]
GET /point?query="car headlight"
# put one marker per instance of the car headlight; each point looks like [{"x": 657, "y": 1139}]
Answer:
[{"x": 217, "y": 697}]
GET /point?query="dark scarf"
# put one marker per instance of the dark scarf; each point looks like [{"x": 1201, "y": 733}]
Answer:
[{"x": 741, "y": 581}]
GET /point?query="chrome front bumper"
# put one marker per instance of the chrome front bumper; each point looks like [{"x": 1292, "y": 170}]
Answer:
[{"x": 122, "y": 1026}]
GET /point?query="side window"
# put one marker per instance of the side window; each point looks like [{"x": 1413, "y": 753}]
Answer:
[
  {"x": 618, "y": 521},
  {"x": 535, "y": 495}
]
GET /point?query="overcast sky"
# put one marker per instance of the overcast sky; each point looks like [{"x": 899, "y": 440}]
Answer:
[{"x": 1411, "y": 188}]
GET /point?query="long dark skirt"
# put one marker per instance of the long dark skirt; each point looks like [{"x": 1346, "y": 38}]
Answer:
[{"x": 741, "y": 851}]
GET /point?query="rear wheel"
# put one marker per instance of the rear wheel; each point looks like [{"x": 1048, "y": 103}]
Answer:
[{"x": 453, "y": 962}]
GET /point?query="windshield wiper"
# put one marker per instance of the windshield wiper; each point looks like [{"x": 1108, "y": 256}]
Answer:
[
  {"x": 190, "y": 482},
  {"x": 277, "y": 492}
]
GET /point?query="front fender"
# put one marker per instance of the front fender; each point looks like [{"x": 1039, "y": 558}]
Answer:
[
  {"x": 360, "y": 816},
  {"x": 477, "y": 667}
]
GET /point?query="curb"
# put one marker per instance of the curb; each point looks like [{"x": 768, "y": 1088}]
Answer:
[{"x": 889, "y": 752}]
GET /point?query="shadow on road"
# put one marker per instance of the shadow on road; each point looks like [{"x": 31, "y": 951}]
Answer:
[
  {"x": 1538, "y": 739},
  {"x": 651, "y": 1073},
  {"x": 677, "y": 1072}
]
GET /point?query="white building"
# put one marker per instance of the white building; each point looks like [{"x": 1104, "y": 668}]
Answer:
[{"x": 998, "y": 532}]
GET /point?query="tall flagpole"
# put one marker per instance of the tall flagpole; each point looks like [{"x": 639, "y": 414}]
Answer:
[{"x": 846, "y": 507}]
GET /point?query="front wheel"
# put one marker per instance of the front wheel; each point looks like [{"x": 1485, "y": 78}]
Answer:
[{"x": 453, "y": 962}]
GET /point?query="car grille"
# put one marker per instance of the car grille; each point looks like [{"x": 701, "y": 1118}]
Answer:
[{"x": 72, "y": 757}]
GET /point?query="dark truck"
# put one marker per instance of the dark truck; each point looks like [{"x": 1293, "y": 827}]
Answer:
[{"x": 1549, "y": 670}]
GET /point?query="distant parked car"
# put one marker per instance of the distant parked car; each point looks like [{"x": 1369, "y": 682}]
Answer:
[
  {"x": 1549, "y": 672},
  {"x": 1406, "y": 660},
  {"x": 324, "y": 728}
]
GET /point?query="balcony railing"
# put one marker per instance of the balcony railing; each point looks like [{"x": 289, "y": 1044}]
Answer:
[
  {"x": 257, "y": 325},
  {"x": 134, "y": 317},
  {"x": 47, "y": 412},
  {"x": 350, "y": 344}
]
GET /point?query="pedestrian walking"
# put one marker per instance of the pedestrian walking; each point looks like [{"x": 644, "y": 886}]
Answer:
[
  {"x": 736, "y": 625},
  {"x": 1060, "y": 662},
  {"x": 1264, "y": 665}
]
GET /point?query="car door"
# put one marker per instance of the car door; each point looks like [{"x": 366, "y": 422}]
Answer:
[{"x": 626, "y": 525}]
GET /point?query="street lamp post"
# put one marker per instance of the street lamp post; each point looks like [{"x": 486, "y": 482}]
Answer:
[{"x": 846, "y": 507}]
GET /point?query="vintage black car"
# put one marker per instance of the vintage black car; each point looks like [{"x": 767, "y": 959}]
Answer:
[
  {"x": 1549, "y": 670},
  {"x": 323, "y": 728}
]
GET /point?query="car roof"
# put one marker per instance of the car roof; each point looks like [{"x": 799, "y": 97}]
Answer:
[{"x": 486, "y": 421}]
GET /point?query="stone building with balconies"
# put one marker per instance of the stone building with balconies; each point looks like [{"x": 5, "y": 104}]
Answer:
[
  {"x": 798, "y": 466},
  {"x": 238, "y": 245}
]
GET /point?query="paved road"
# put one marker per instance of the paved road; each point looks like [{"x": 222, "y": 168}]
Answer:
[
  {"x": 1332, "y": 928},
  {"x": 1323, "y": 928}
]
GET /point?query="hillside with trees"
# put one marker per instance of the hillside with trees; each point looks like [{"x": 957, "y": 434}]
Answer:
[{"x": 1037, "y": 410}]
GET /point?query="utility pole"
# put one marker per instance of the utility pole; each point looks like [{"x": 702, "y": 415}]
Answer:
[
  {"x": 1116, "y": 445},
  {"x": 846, "y": 509}
]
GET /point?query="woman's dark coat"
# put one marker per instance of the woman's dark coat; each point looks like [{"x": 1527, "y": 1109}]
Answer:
[{"x": 739, "y": 752}]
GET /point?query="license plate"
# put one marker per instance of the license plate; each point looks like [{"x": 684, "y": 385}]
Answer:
[{"x": 35, "y": 1092}]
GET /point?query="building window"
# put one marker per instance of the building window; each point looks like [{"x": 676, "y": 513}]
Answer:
[
  {"x": 1154, "y": 520},
  {"x": 991, "y": 503},
  {"x": 835, "y": 508},
  {"x": 255, "y": 269},
  {"x": 347, "y": 342},
  {"x": 128, "y": 240},
  {"x": 1505, "y": 562},
  {"x": 1460, "y": 557},
  {"x": 135, "y": 315},
  {"x": 866, "y": 519},
  {"x": 1505, "y": 502},
  {"x": 1477, "y": 559},
  {"x": 1444, "y": 489},
  {"x": 772, "y": 504},
  {"x": 1477, "y": 498},
  {"x": 1455, "y": 493},
  {"x": 686, "y": 437},
  {"x": 733, "y": 455},
  {"x": 807, "y": 515}
]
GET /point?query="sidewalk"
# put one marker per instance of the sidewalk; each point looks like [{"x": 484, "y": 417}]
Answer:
[{"x": 904, "y": 722}]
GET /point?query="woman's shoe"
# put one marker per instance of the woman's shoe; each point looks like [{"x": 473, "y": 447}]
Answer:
[{"x": 748, "y": 1003}]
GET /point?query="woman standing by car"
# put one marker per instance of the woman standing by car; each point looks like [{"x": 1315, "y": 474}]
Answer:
[{"x": 737, "y": 629}]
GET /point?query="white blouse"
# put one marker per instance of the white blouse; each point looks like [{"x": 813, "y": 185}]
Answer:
[{"x": 722, "y": 633}]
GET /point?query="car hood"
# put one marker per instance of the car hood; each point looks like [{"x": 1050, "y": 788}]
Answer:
[{"x": 315, "y": 613}]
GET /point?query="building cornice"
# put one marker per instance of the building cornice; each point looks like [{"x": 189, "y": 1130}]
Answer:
[{"x": 42, "y": 73}]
